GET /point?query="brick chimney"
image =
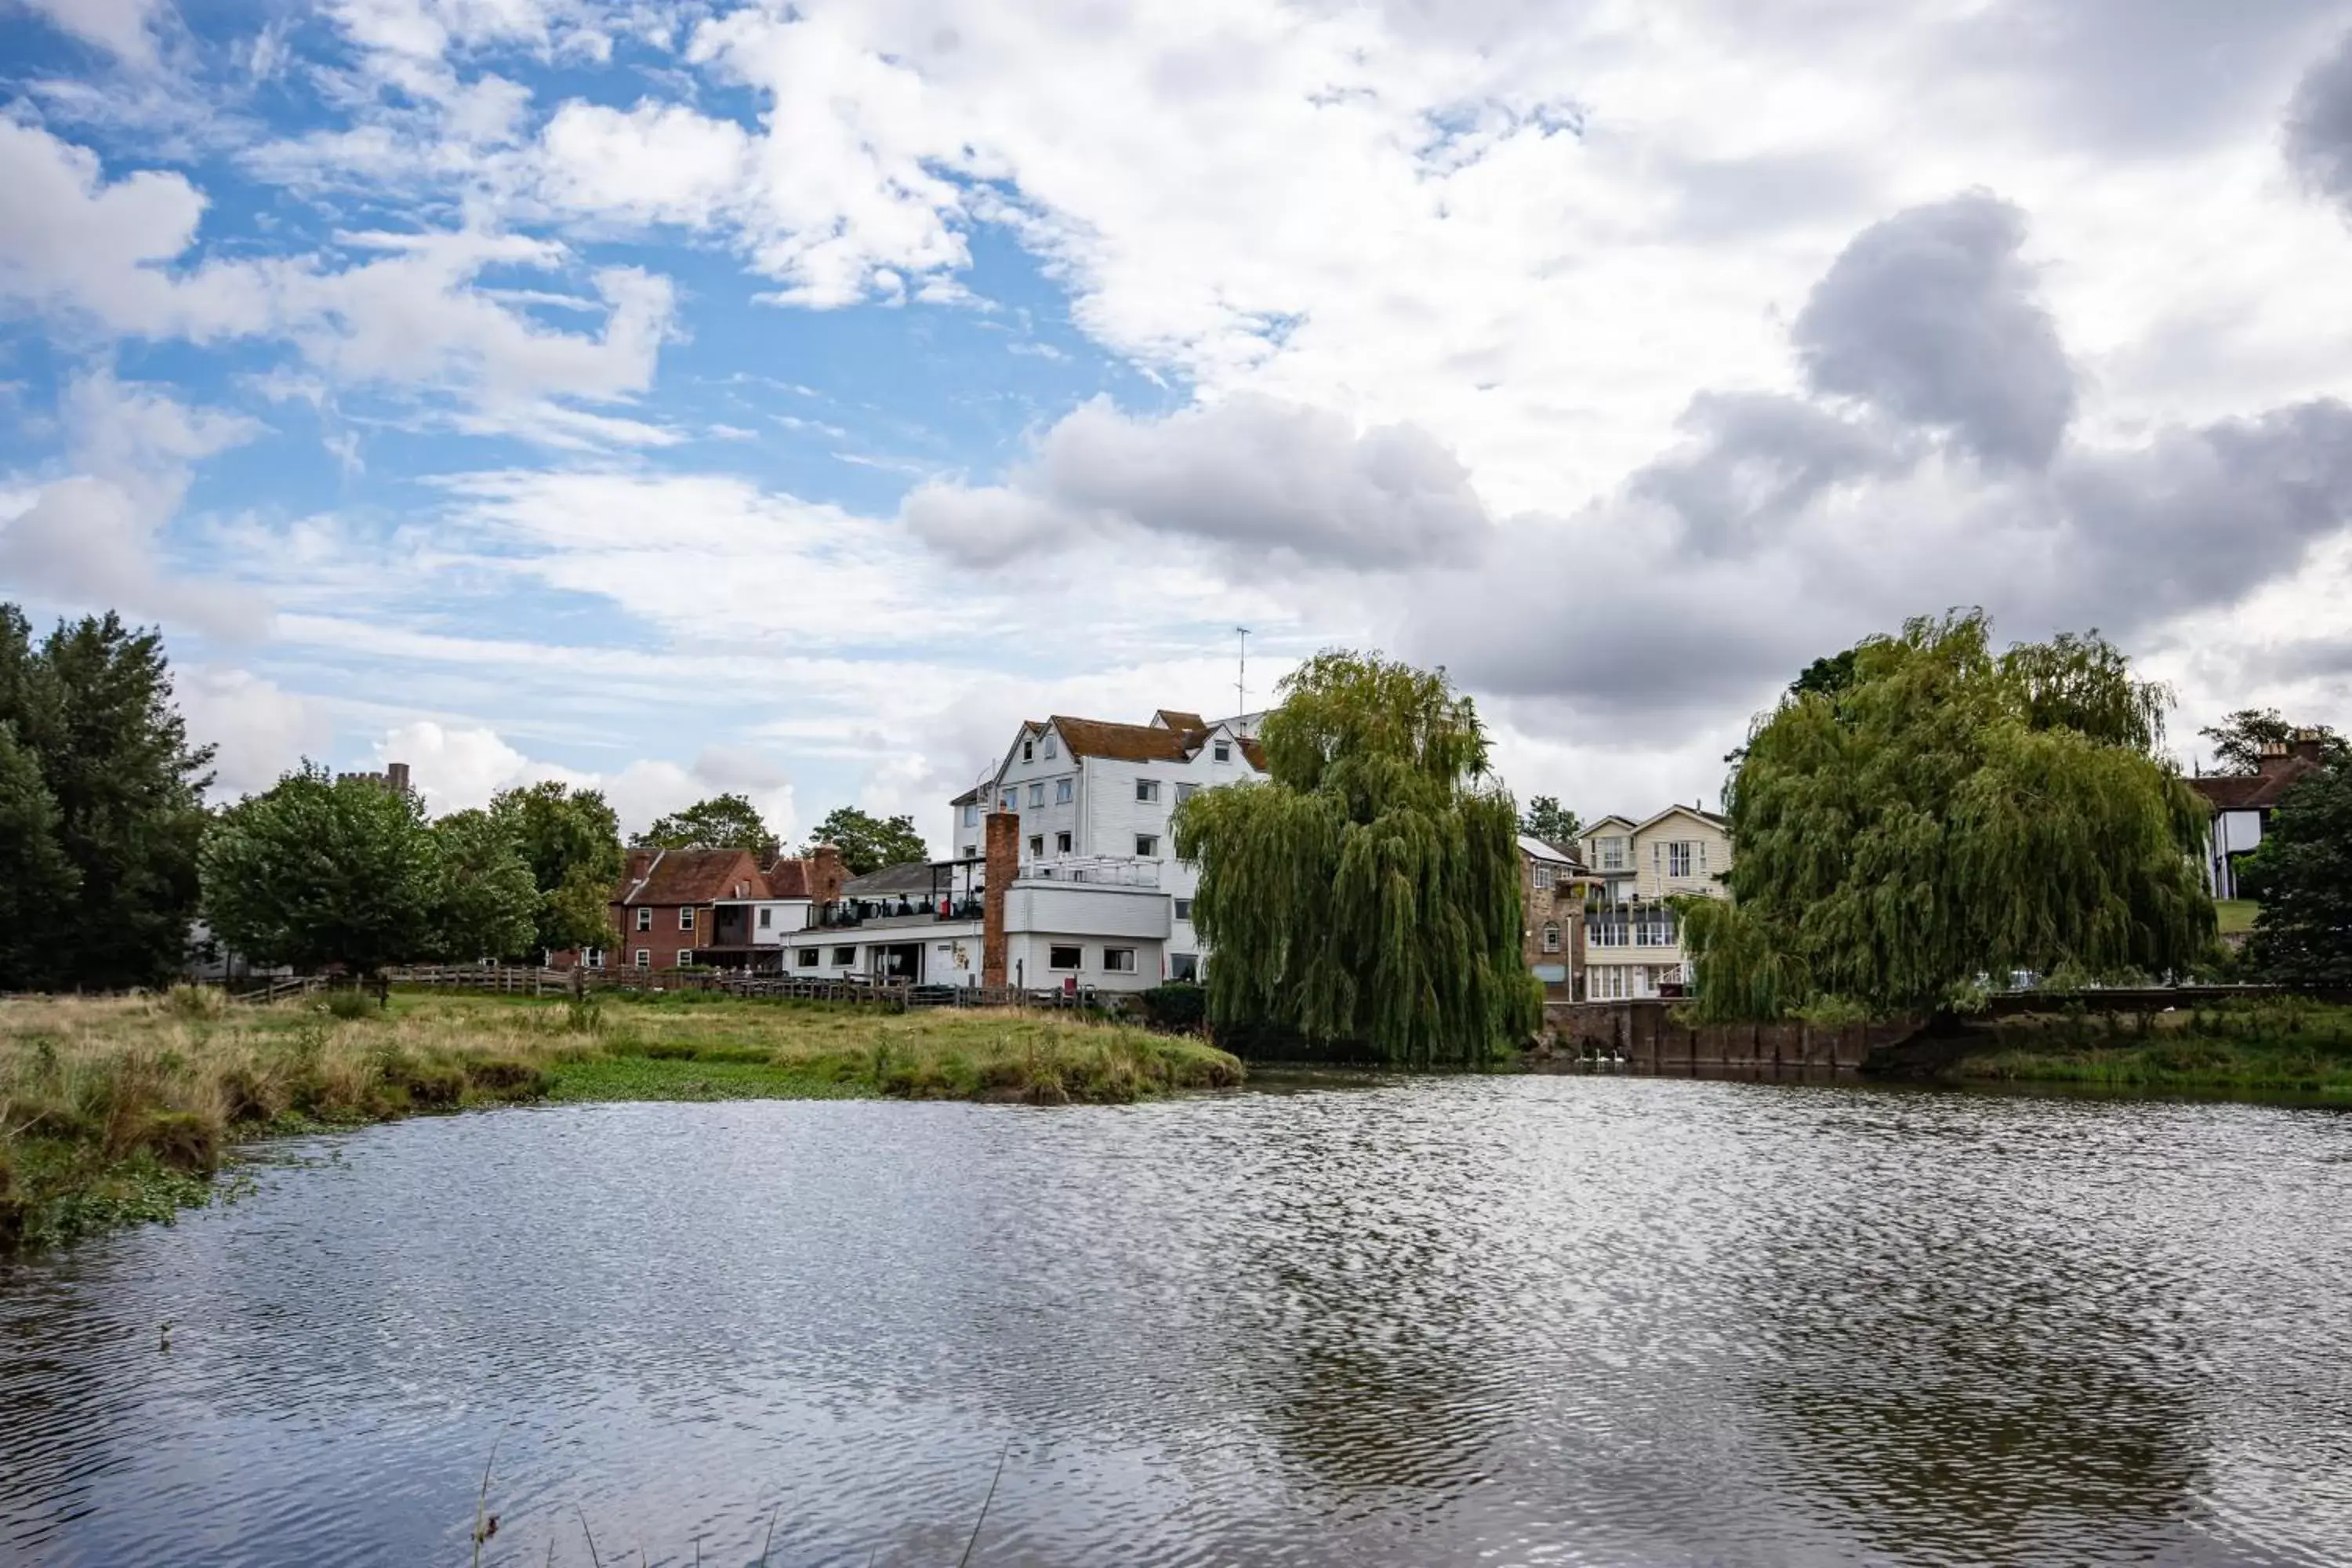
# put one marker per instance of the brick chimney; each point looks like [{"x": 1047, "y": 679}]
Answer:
[
  {"x": 825, "y": 874},
  {"x": 1001, "y": 863}
]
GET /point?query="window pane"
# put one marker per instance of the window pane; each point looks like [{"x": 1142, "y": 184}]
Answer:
[
  {"x": 1062, "y": 957},
  {"x": 1147, "y": 845}
]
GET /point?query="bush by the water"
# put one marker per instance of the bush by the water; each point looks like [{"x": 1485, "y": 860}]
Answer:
[{"x": 1178, "y": 1007}]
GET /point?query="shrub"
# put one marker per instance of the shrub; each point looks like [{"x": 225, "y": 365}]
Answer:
[
  {"x": 1178, "y": 1007},
  {"x": 351, "y": 1003}
]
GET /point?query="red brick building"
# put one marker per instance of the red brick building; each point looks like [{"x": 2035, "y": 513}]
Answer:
[{"x": 675, "y": 906}]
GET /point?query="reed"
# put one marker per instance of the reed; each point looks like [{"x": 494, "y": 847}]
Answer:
[
  {"x": 118, "y": 1109},
  {"x": 2284, "y": 1045}
]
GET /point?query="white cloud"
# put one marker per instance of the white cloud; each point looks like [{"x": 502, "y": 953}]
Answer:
[
  {"x": 125, "y": 28},
  {"x": 261, "y": 730}
]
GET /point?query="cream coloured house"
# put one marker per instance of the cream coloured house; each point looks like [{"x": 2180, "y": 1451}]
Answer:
[{"x": 1633, "y": 943}]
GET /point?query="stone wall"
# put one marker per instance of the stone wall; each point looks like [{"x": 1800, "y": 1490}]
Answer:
[{"x": 1644, "y": 1034}]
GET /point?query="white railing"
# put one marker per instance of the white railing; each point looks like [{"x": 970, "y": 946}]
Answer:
[{"x": 1097, "y": 870}]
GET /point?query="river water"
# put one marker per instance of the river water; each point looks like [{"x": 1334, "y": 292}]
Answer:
[{"x": 1500, "y": 1320}]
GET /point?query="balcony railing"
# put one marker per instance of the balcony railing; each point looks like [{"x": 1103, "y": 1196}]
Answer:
[{"x": 1100, "y": 871}]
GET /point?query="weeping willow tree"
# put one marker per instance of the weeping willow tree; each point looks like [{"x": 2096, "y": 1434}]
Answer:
[
  {"x": 1944, "y": 813},
  {"x": 1365, "y": 897}
]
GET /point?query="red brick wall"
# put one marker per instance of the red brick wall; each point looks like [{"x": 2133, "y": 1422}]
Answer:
[{"x": 665, "y": 941}]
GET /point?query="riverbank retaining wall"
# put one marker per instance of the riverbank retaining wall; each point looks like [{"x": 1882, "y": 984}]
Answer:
[{"x": 1644, "y": 1034}]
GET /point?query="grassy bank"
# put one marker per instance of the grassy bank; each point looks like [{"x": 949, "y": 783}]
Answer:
[
  {"x": 2285, "y": 1046},
  {"x": 121, "y": 1109}
]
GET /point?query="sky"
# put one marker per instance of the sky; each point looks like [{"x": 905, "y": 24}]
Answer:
[{"x": 688, "y": 397}]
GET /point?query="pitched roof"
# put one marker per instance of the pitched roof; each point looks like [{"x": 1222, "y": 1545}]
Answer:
[
  {"x": 689, "y": 875},
  {"x": 1536, "y": 849},
  {"x": 1177, "y": 719},
  {"x": 2256, "y": 791},
  {"x": 1708, "y": 816},
  {"x": 789, "y": 878},
  {"x": 1605, "y": 821},
  {"x": 908, "y": 878}
]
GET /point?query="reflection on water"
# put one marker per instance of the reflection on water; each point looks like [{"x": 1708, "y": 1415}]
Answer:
[{"x": 1533, "y": 1320}]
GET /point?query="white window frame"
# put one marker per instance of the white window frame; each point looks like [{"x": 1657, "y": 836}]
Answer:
[
  {"x": 1010, "y": 800},
  {"x": 592, "y": 958},
  {"x": 1037, "y": 796},
  {"x": 1037, "y": 846},
  {"x": 685, "y": 959},
  {"x": 645, "y": 958},
  {"x": 1147, "y": 846},
  {"x": 808, "y": 957},
  {"x": 1028, "y": 751},
  {"x": 1222, "y": 752},
  {"x": 971, "y": 813},
  {"x": 644, "y": 917},
  {"x": 1077, "y": 959},
  {"x": 1611, "y": 852},
  {"x": 1146, "y": 792},
  {"x": 1550, "y": 938},
  {"x": 1065, "y": 791},
  {"x": 686, "y": 916},
  {"x": 1118, "y": 961},
  {"x": 1680, "y": 855},
  {"x": 972, "y": 851},
  {"x": 1544, "y": 873},
  {"x": 849, "y": 963},
  {"x": 1061, "y": 842},
  {"x": 1052, "y": 748},
  {"x": 1184, "y": 910},
  {"x": 1185, "y": 792}
]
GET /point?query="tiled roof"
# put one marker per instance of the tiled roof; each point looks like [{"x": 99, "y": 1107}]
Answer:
[
  {"x": 2255, "y": 792},
  {"x": 1178, "y": 719},
  {"x": 911, "y": 878},
  {"x": 1121, "y": 742},
  {"x": 789, "y": 880},
  {"x": 689, "y": 875}
]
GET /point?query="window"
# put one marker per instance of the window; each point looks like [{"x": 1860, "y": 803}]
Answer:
[
  {"x": 685, "y": 958},
  {"x": 1147, "y": 846},
  {"x": 844, "y": 958},
  {"x": 1606, "y": 933},
  {"x": 1053, "y": 746},
  {"x": 1185, "y": 792},
  {"x": 644, "y": 918},
  {"x": 1654, "y": 930},
  {"x": 1183, "y": 966},
  {"x": 1183, "y": 909},
  {"x": 1009, "y": 800},
  {"x": 592, "y": 958},
  {"x": 1608, "y": 983},
  {"x": 1028, "y": 751},
  {"x": 972, "y": 851},
  {"x": 1678, "y": 859},
  {"x": 686, "y": 916},
  {"x": 1223, "y": 750},
  {"x": 1551, "y": 938},
  {"x": 1061, "y": 844},
  {"x": 645, "y": 958},
  {"x": 807, "y": 957},
  {"x": 1037, "y": 846},
  {"x": 1063, "y": 790},
  {"x": 1543, "y": 874},
  {"x": 1147, "y": 790},
  {"x": 1062, "y": 958},
  {"x": 1037, "y": 794},
  {"x": 1611, "y": 853},
  {"x": 1118, "y": 961},
  {"x": 767, "y": 917},
  {"x": 1621, "y": 892},
  {"x": 971, "y": 813}
]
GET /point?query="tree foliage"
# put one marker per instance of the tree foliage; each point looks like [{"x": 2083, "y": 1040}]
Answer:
[
  {"x": 1365, "y": 895},
  {"x": 1554, "y": 824},
  {"x": 2303, "y": 875},
  {"x": 485, "y": 904},
  {"x": 571, "y": 841},
  {"x": 37, "y": 883},
  {"x": 722, "y": 822},
  {"x": 868, "y": 843},
  {"x": 2238, "y": 740},
  {"x": 119, "y": 801},
  {"x": 316, "y": 872},
  {"x": 1950, "y": 813}
]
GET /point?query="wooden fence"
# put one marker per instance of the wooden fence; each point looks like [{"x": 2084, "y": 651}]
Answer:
[{"x": 896, "y": 996}]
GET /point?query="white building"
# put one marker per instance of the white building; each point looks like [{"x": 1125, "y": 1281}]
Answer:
[{"x": 1098, "y": 898}]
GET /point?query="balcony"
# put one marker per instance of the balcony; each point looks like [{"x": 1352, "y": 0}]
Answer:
[{"x": 1097, "y": 870}]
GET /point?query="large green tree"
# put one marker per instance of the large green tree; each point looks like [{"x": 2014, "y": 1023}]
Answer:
[
  {"x": 2239, "y": 740},
  {"x": 485, "y": 904},
  {"x": 722, "y": 822},
  {"x": 868, "y": 843},
  {"x": 318, "y": 871},
  {"x": 1949, "y": 812},
  {"x": 2302, "y": 875},
  {"x": 90, "y": 707},
  {"x": 1365, "y": 895},
  {"x": 37, "y": 881},
  {"x": 571, "y": 839},
  {"x": 1554, "y": 824}
]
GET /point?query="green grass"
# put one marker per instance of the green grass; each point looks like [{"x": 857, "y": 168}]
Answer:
[
  {"x": 2237, "y": 915},
  {"x": 2274, "y": 1047},
  {"x": 114, "y": 1110}
]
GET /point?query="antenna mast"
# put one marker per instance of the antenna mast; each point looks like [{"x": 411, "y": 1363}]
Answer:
[{"x": 1241, "y": 681}]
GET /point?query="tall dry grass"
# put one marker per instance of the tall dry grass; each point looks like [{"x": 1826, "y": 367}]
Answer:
[{"x": 116, "y": 1109}]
